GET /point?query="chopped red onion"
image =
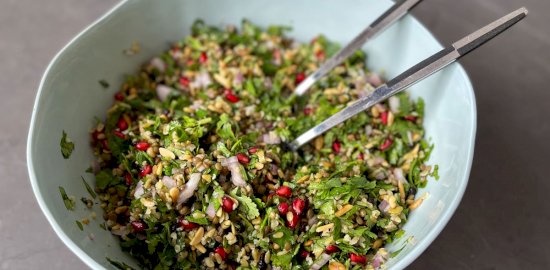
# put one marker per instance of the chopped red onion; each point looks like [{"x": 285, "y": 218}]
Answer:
[
  {"x": 189, "y": 188},
  {"x": 374, "y": 79},
  {"x": 211, "y": 211},
  {"x": 139, "y": 190},
  {"x": 232, "y": 163},
  {"x": 398, "y": 173},
  {"x": 384, "y": 206},
  {"x": 163, "y": 91},
  {"x": 238, "y": 78},
  {"x": 271, "y": 138},
  {"x": 158, "y": 64},
  {"x": 168, "y": 182},
  {"x": 394, "y": 104},
  {"x": 202, "y": 80},
  {"x": 319, "y": 263}
]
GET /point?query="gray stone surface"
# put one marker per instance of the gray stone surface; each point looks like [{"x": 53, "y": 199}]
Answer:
[{"x": 502, "y": 220}]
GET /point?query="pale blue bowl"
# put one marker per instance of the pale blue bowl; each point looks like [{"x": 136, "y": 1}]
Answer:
[{"x": 70, "y": 97}]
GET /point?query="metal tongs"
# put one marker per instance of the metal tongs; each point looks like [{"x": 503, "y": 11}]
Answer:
[{"x": 411, "y": 76}]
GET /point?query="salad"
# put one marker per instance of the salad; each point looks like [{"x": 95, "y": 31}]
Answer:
[{"x": 192, "y": 172}]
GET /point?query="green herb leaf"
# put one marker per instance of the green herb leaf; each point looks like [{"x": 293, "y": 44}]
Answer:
[
  {"x": 67, "y": 146},
  {"x": 69, "y": 203},
  {"x": 248, "y": 207},
  {"x": 79, "y": 224},
  {"x": 104, "y": 83},
  {"x": 89, "y": 188}
]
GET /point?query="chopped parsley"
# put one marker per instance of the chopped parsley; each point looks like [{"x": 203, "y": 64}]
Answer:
[{"x": 67, "y": 146}]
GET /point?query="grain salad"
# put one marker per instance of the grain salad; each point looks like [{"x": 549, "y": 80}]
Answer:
[{"x": 192, "y": 172}]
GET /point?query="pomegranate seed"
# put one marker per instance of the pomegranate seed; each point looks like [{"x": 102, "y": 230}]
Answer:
[
  {"x": 119, "y": 134},
  {"x": 184, "y": 81},
  {"x": 307, "y": 110},
  {"x": 384, "y": 117},
  {"x": 230, "y": 96},
  {"x": 292, "y": 219},
  {"x": 122, "y": 124},
  {"x": 227, "y": 204},
  {"x": 320, "y": 54},
  {"x": 411, "y": 118},
  {"x": 336, "y": 147},
  {"x": 332, "y": 249},
  {"x": 284, "y": 191},
  {"x": 203, "y": 58},
  {"x": 105, "y": 144},
  {"x": 283, "y": 208},
  {"x": 145, "y": 171},
  {"x": 142, "y": 146},
  {"x": 190, "y": 62},
  {"x": 119, "y": 96},
  {"x": 361, "y": 156},
  {"x": 387, "y": 143},
  {"x": 298, "y": 205},
  {"x": 221, "y": 252},
  {"x": 186, "y": 225},
  {"x": 243, "y": 159},
  {"x": 300, "y": 77},
  {"x": 253, "y": 150},
  {"x": 304, "y": 253},
  {"x": 357, "y": 258},
  {"x": 138, "y": 226},
  {"x": 128, "y": 179}
]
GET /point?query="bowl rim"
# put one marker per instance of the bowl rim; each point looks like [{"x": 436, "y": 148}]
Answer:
[{"x": 419, "y": 247}]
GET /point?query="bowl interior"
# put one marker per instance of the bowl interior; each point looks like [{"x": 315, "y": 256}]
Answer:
[{"x": 70, "y": 97}]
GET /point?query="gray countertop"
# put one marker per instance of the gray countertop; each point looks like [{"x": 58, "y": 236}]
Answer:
[{"x": 503, "y": 220}]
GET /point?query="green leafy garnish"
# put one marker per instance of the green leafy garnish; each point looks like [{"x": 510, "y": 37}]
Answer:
[
  {"x": 67, "y": 146},
  {"x": 89, "y": 188},
  {"x": 79, "y": 224},
  {"x": 69, "y": 203},
  {"x": 104, "y": 83}
]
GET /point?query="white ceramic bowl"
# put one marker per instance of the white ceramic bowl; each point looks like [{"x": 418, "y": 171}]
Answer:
[{"x": 69, "y": 98}]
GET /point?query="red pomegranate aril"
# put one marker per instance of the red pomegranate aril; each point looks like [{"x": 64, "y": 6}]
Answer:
[
  {"x": 293, "y": 222},
  {"x": 384, "y": 117},
  {"x": 142, "y": 146},
  {"x": 190, "y": 62},
  {"x": 284, "y": 191},
  {"x": 386, "y": 144},
  {"x": 119, "y": 96},
  {"x": 410, "y": 118},
  {"x": 128, "y": 179},
  {"x": 138, "y": 226},
  {"x": 358, "y": 258},
  {"x": 320, "y": 54},
  {"x": 231, "y": 97},
  {"x": 304, "y": 253},
  {"x": 336, "y": 146},
  {"x": 145, "y": 170},
  {"x": 332, "y": 249},
  {"x": 105, "y": 144},
  {"x": 307, "y": 110},
  {"x": 227, "y": 204},
  {"x": 298, "y": 205},
  {"x": 221, "y": 251},
  {"x": 300, "y": 77},
  {"x": 186, "y": 225},
  {"x": 203, "y": 58},
  {"x": 361, "y": 156},
  {"x": 119, "y": 134},
  {"x": 122, "y": 124},
  {"x": 252, "y": 150},
  {"x": 283, "y": 208},
  {"x": 243, "y": 159},
  {"x": 184, "y": 81}
]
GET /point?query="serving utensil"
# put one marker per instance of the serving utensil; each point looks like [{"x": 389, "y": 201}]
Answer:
[
  {"x": 398, "y": 10},
  {"x": 415, "y": 74}
]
